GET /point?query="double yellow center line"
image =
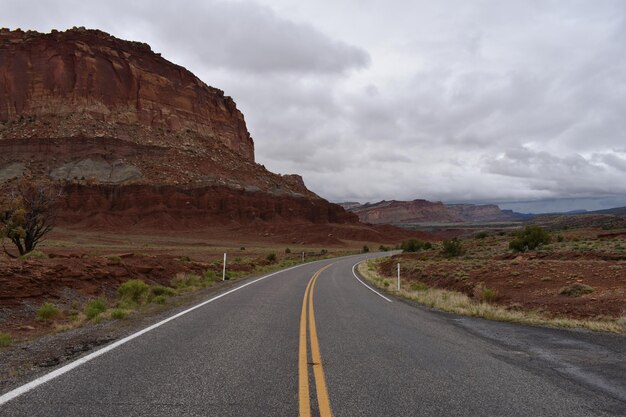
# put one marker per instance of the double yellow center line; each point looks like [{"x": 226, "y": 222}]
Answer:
[{"x": 303, "y": 369}]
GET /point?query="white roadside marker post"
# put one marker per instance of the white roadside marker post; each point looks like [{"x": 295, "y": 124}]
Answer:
[
  {"x": 224, "y": 268},
  {"x": 398, "y": 276}
]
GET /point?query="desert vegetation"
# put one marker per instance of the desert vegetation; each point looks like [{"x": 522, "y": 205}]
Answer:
[
  {"x": 63, "y": 285},
  {"x": 27, "y": 214},
  {"x": 565, "y": 277}
]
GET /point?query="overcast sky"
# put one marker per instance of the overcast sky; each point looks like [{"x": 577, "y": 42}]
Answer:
[{"x": 477, "y": 101}]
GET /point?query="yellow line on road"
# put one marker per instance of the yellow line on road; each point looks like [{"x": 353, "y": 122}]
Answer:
[
  {"x": 320, "y": 381},
  {"x": 318, "y": 371},
  {"x": 303, "y": 374}
]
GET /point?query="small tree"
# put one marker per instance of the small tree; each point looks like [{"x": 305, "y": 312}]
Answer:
[
  {"x": 530, "y": 238},
  {"x": 412, "y": 245},
  {"x": 28, "y": 214}
]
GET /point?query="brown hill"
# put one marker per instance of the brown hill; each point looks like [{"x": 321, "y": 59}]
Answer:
[
  {"x": 136, "y": 140},
  {"x": 423, "y": 211}
]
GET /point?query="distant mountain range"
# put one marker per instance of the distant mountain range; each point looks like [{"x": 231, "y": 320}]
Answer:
[{"x": 423, "y": 211}]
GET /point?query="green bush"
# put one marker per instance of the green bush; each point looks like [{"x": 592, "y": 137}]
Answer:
[
  {"x": 158, "y": 290},
  {"x": 119, "y": 313},
  {"x": 95, "y": 307},
  {"x": 365, "y": 249},
  {"x": 287, "y": 251},
  {"x": 530, "y": 238},
  {"x": 271, "y": 258},
  {"x": 383, "y": 248},
  {"x": 47, "y": 311},
  {"x": 159, "y": 299},
  {"x": 133, "y": 291},
  {"x": 428, "y": 246},
  {"x": 481, "y": 235},
  {"x": 412, "y": 245},
  {"x": 5, "y": 339},
  {"x": 452, "y": 248}
]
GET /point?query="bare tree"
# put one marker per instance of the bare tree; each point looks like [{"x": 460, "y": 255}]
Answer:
[{"x": 27, "y": 214}]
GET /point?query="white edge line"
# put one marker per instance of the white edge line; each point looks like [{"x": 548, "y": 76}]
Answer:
[
  {"x": 58, "y": 372},
  {"x": 370, "y": 288}
]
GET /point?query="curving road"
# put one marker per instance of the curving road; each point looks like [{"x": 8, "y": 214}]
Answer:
[{"x": 313, "y": 340}]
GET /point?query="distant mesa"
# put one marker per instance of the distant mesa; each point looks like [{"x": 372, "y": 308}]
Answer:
[{"x": 423, "y": 211}]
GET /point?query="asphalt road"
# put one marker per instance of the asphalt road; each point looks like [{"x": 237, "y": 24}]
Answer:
[{"x": 299, "y": 342}]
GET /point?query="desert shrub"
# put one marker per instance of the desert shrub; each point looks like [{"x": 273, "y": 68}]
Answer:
[
  {"x": 47, "y": 311},
  {"x": 184, "y": 259},
  {"x": 485, "y": 293},
  {"x": 287, "y": 251},
  {"x": 452, "y": 248},
  {"x": 383, "y": 248},
  {"x": 183, "y": 281},
  {"x": 119, "y": 313},
  {"x": 481, "y": 235},
  {"x": 271, "y": 258},
  {"x": 418, "y": 286},
  {"x": 428, "y": 246},
  {"x": 622, "y": 321},
  {"x": 159, "y": 299},
  {"x": 242, "y": 248},
  {"x": 530, "y": 238},
  {"x": 366, "y": 249},
  {"x": 133, "y": 291},
  {"x": 412, "y": 245},
  {"x": 157, "y": 290},
  {"x": 576, "y": 290},
  {"x": 324, "y": 252},
  {"x": 560, "y": 238},
  {"x": 209, "y": 276},
  {"x": 94, "y": 308},
  {"x": 5, "y": 339}
]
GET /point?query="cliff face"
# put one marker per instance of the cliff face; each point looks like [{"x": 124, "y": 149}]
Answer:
[
  {"x": 135, "y": 139},
  {"x": 423, "y": 211},
  {"x": 105, "y": 79},
  {"x": 171, "y": 207}
]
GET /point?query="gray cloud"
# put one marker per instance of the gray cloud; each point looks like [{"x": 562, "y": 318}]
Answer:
[{"x": 448, "y": 100}]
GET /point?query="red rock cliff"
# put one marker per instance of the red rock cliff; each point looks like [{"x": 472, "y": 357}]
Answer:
[
  {"x": 135, "y": 140},
  {"x": 90, "y": 73}
]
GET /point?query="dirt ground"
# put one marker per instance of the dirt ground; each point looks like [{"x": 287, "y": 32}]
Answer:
[
  {"x": 80, "y": 266},
  {"x": 533, "y": 280}
]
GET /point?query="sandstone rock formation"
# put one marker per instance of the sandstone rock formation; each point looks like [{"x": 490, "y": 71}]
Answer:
[{"x": 103, "y": 81}]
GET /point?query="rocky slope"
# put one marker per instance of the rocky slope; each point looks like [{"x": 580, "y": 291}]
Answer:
[
  {"x": 423, "y": 211},
  {"x": 135, "y": 139}
]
